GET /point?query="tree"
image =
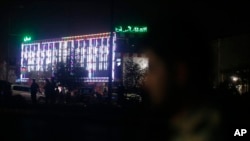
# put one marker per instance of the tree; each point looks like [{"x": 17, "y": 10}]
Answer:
[
  {"x": 133, "y": 75},
  {"x": 68, "y": 77}
]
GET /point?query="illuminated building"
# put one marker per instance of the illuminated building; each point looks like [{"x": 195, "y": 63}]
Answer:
[{"x": 86, "y": 51}]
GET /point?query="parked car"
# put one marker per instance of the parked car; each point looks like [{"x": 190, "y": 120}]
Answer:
[
  {"x": 23, "y": 93},
  {"x": 133, "y": 97}
]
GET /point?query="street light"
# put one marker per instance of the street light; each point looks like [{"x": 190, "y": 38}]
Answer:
[{"x": 234, "y": 78}]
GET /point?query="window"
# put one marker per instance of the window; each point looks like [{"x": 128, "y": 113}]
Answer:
[{"x": 105, "y": 41}]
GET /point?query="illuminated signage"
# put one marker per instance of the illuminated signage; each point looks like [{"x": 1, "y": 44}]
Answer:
[
  {"x": 131, "y": 29},
  {"x": 26, "y": 39}
]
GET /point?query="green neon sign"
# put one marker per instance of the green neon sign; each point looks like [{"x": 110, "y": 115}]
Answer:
[
  {"x": 132, "y": 29},
  {"x": 27, "y": 39}
]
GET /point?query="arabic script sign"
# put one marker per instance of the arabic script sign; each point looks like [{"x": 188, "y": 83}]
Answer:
[{"x": 132, "y": 29}]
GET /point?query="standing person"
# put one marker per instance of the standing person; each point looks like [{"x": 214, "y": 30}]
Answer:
[
  {"x": 34, "y": 88},
  {"x": 121, "y": 97},
  {"x": 47, "y": 91},
  {"x": 53, "y": 91}
]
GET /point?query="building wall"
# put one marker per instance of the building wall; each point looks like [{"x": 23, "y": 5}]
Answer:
[{"x": 87, "y": 51}]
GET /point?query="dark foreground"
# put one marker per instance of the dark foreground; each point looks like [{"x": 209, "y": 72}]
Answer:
[
  {"x": 65, "y": 122},
  {"x": 100, "y": 122}
]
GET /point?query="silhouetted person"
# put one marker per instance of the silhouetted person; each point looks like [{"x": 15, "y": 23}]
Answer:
[
  {"x": 53, "y": 91},
  {"x": 178, "y": 82},
  {"x": 34, "y": 88},
  {"x": 121, "y": 97},
  {"x": 47, "y": 91}
]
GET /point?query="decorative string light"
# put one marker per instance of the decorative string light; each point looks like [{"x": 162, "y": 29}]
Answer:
[{"x": 91, "y": 50}]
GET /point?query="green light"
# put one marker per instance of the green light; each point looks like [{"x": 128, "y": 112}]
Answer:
[
  {"x": 27, "y": 39},
  {"x": 132, "y": 29}
]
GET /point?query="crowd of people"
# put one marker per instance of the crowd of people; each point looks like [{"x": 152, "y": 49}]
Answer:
[{"x": 52, "y": 92}]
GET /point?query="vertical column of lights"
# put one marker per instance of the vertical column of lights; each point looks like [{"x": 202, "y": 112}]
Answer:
[
  {"x": 82, "y": 53},
  {"x": 53, "y": 56},
  {"x": 93, "y": 56},
  {"x": 106, "y": 53},
  {"x": 93, "y": 61},
  {"x": 87, "y": 55},
  {"x": 45, "y": 61},
  {"x": 40, "y": 56},
  {"x": 72, "y": 55},
  {"x": 55, "y": 53},
  {"x": 76, "y": 52},
  {"x": 25, "y": 58},
  {"x": 96, "y": 55},
  {"x": 37, "y": 57},
  {"x": 48, "y": 56},
  {"x": 79, "y": 53},
  {"x": 22, "y": 54},
  {"x": 34, "y": 57},
  {"x": 43, "y": 56},
  {"x": 31, "y": 57},
  {"x": 22, "y": 57},
  {"x": 113, "y": 57},
  {"x": 102, "y": 57},
  {"x": 68, "y": 55},
  {"x": 59, "y": 52},
  {"x": 28, "y": 58},
  {"x": 100, "y": 54},
  {"x": 55, "y": 50},
  {"x": 90, "y": 56},
  {"x": 64, "y": 52}
]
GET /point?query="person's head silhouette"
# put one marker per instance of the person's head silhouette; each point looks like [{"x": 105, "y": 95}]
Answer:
[{"x": 179, "y": 60}]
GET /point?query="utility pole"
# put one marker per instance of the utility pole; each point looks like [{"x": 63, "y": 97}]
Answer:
[{"x": 110, "y": 57}]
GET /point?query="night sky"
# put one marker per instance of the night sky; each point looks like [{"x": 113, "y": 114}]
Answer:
[{"x": 47, "y": 19}]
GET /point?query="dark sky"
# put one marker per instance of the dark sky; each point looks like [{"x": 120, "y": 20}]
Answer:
[
  {"x": 46, "y": 19},
  {"x": 51, "y": 19},
  {"x": 55, "y": 18}
]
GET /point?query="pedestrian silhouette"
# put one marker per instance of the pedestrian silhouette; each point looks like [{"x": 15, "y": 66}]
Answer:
[
  {"x": 34, "y": 88},
  {"x": 47, "y": 91},
  {"x": 53, "y": 91}
]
